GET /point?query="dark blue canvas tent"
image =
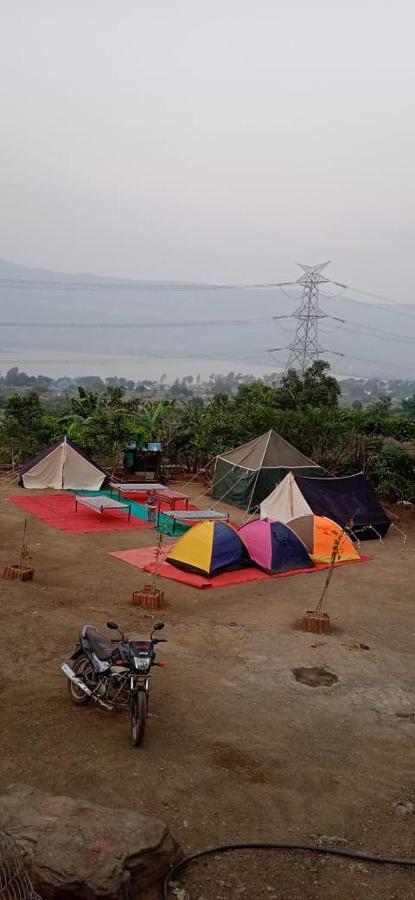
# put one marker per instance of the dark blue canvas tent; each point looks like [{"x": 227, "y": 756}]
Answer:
[{"x": 348, "y": 501}]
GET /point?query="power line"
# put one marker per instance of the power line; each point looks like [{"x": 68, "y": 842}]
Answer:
[
  {"x": 138, "y": 285},
  {"x": 352, "y": 327},
  {"x": 130, "y": 284},
  {"x": 382, "y": 297},
  {"x": 128, "y": 357},
  {"x": 157, "y": 324},
  {"x": 374, "y": 362},
  {"x": 355, "y": 328}
]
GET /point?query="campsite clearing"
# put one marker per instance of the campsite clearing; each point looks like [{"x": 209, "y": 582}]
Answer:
[{"x": 237, "y": 748}]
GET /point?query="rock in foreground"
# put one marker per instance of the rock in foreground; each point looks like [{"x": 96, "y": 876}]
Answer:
[{"x": 77, "y": 849}]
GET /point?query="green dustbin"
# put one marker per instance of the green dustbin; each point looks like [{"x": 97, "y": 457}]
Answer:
[{"x": 130, "y": 459}]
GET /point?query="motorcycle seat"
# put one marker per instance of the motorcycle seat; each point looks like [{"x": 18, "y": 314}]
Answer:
[{"x": 101, "y": 646}]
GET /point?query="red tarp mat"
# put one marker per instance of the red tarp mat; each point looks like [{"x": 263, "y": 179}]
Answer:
[
  {"x": 144, "y": 559},
  {"x": 58, "y": 510}
]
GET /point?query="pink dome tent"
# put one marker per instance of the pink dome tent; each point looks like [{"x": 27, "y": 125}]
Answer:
[{"x": 274, "y": 547}]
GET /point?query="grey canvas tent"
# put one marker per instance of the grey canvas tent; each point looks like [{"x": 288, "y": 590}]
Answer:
[{"x": 245, "y": 476}]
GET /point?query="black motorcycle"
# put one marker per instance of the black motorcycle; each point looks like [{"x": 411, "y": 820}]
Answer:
[{"x": 114, "y": 673}]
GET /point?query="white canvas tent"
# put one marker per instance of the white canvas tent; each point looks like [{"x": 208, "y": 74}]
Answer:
[
  {"x": 285, "y": 502},
  {"x": 62, "y": 466}
]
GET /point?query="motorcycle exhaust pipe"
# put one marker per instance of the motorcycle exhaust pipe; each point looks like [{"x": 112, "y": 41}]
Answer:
[{"x": 79, "y": 683}]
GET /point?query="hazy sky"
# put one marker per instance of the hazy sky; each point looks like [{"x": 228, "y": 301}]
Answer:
[{"x": 221, "y": 140}]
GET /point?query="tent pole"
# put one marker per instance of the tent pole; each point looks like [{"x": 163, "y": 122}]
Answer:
[{"x": 404, "y": 535}]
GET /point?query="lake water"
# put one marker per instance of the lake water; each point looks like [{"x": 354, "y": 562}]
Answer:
[{"x": 136, "y": 368}]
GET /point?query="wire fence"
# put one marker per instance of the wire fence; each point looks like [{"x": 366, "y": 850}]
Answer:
[{"x": 15, "y": 883}]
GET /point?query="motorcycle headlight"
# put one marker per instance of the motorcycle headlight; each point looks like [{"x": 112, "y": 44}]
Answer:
[{"x": 142, "y": 662}]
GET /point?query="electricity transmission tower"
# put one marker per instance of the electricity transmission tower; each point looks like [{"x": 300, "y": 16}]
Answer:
[{"x": 305, "y": 348}]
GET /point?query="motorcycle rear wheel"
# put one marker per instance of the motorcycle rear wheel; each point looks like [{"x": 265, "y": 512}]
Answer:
[
  {"x": 138, "y": 718},
  {"x": 83, "y": 669}
]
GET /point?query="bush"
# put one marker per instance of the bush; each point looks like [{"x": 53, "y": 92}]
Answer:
[{"x": 393, "y": 474}]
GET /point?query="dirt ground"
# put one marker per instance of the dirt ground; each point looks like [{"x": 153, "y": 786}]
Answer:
[{"x": 236, "y": 748}]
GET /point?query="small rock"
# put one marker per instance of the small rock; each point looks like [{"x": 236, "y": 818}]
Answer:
[
  {"x": 403, "y": 808},
  {"x": 364, "y": 646},
  {"x": 181, "y": 894},
  {"x": 331, "y": 839},
  {"x": 311, "y": 864}
]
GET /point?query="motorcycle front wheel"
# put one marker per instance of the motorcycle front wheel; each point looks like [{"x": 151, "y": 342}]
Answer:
[
  {"x": 138, "y": 718},
  {"x": 83, "y": 670}
]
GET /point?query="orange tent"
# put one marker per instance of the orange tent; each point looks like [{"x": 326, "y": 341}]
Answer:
[{"x": 320, "y": 535}]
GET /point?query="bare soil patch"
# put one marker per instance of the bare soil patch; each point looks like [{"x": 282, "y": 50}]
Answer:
[
  {"x": 315, "y": 676},
  {"x": 236, "y": 749}
]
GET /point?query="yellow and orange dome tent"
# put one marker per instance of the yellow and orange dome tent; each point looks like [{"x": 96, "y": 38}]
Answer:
[{"x": 320, "y": 535}]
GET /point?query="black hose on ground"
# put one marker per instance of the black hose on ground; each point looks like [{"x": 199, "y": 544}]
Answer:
[{"x": 281, "y": 845}]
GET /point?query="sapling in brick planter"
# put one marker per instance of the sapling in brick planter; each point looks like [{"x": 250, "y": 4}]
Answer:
[
  {"x": 150, "y": 596},
  {"x": 21, "y": 571},
  {"x": 317, "y": 620}
]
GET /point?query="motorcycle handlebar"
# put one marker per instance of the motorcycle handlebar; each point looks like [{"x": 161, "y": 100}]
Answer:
[{"x": 126, "y": 640}]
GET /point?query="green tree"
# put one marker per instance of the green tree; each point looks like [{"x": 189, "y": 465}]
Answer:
[
  {"x": 383, "y": 406},
  {"x": 105, "y": 433},
  {"x": 320, "y": 388},
  {"x": 25, "y": 427},
  {"x": 83, "y": 408},
  {"x": 290, "y": 391},
  {"x": 408, "y": 406},
  {"x": 315, "y": 388},
  {"x": 150, "y": 419}
]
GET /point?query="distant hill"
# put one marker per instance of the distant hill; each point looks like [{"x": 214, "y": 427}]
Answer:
[
  {"x": 95, "y": 317},
  {"x": 14, "y": 272}
]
